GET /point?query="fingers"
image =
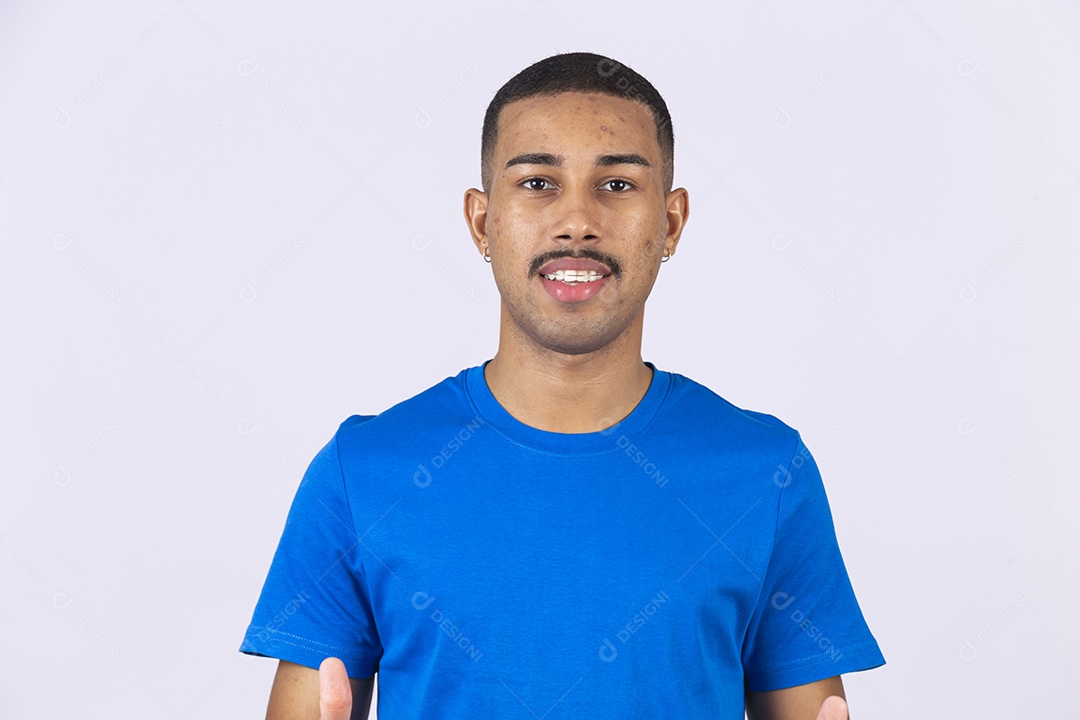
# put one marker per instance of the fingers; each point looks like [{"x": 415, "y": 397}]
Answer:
[
  {"x": 834, "y": 708},
  {"x": 335, "y": 694}
]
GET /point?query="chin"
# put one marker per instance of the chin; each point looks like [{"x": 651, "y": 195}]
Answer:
[
  {"x": 570, "y": 334},
  {"x": 574, "y": 343},
  {"x": 573, "y": 350}
]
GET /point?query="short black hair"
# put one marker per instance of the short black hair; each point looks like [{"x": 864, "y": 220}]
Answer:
[{"x": 579, "y": 72}]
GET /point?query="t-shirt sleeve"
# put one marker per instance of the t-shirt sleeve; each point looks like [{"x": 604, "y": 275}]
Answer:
[
  {"x": 314, "y": 602},
  {"x": 807, "y": 625}
]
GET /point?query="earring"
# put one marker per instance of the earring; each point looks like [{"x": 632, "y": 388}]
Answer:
[
  {"x": 487, "y": 258},
  {"x": 667, "y": 256}
]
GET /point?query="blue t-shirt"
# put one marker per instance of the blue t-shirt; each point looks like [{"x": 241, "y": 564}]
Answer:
[{"x": 486, "y": 568}]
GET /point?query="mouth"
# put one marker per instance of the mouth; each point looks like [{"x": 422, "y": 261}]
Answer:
[
  {"x": 575, "y": 277},
  {"x": 573, "y": 286}
]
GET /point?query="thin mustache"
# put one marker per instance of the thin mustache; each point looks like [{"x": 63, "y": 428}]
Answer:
[{"x": 616, "y": 268}]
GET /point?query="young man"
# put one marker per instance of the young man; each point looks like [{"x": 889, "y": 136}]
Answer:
[{"x": 566, "y": 530}]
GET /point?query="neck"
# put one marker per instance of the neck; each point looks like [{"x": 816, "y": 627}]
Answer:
[{"x": 556, "y": 392}]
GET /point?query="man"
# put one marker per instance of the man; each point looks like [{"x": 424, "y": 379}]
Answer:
[{"x": 566, "y": 530}]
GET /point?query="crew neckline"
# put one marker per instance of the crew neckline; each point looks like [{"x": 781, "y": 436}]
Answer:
[{"x": 556, "y": 443}]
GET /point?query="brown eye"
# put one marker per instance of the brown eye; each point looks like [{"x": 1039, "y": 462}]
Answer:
[
  {"x": 531, "y": 183},
  {"x": 622, "y": 185}
]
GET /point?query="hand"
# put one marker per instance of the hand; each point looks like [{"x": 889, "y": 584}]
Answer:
[
  {"x": 834, "y": 708},
  {"x": 335, "y": 693}
]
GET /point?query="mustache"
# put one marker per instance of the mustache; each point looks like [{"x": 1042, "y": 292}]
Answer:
[{"x": 585, "y": 252}]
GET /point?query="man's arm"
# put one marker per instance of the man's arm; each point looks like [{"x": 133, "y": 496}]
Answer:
[
  {"x": 802, "y": 702},
  {"x": 295, "y": 694}
]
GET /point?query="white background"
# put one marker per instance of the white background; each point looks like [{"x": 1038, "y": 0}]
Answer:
[{"x": 210, "y": 218}]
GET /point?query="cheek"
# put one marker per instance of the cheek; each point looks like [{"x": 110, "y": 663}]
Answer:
[
  {"x": 646, "y": 252},
  {"x": 514, "y": 225},
  {"x": 642, "y": 221}
]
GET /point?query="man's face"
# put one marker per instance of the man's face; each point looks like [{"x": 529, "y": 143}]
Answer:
[{"x": 576, "y": 185}]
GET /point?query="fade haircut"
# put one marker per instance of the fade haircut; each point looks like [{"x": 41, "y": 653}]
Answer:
[{"x": 579, "y": 72}]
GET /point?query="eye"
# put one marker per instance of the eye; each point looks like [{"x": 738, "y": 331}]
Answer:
[
  {"x": 530, "y": 183},
  {"x": 621, "y": 185}
]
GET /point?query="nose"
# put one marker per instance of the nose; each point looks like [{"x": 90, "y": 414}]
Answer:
[{"x": 576, "y": 214}]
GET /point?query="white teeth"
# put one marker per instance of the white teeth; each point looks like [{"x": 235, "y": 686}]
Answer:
[{"x": 573, "y": 277}]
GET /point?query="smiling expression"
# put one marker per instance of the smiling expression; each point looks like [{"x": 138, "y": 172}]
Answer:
[{"x": 577, "y": 187}]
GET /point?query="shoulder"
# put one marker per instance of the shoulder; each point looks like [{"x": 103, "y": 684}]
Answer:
[
  {"x": 431, "y": 412},
  {"x": 692, "y": 403}
]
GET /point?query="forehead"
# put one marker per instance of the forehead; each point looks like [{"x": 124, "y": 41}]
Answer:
[{"x": 606, "y": 122}]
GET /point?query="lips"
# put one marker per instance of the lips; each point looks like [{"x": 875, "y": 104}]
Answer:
[
  {"x": 573, "y": 292},
  {"x": 570, "y": 263}
]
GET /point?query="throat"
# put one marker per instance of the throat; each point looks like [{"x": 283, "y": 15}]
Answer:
[{"x": 568, "y": 402}]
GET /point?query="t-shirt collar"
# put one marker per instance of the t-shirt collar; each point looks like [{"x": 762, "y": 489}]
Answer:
[{"x": 556, "y": 443}]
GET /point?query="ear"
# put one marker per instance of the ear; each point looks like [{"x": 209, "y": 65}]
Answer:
[
  {"x": 476, "y": 202},
  {"x": 678, "y": 212}
]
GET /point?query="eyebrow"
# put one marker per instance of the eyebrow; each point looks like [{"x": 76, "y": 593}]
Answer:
[
  {"x": 623, "y": 159},
  {"x": 535, "y": 159},
  {"x": 557, "y": 160}
]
